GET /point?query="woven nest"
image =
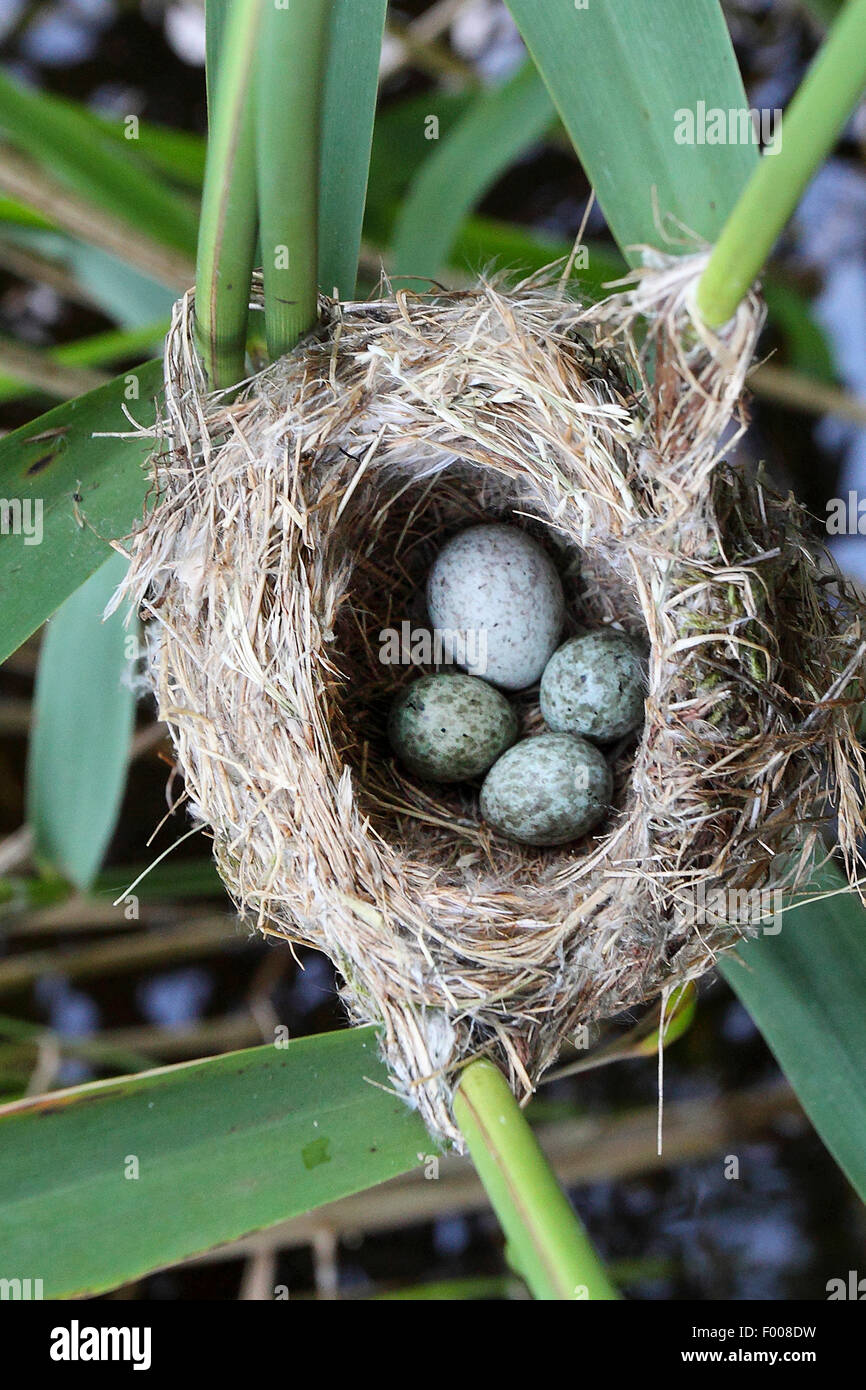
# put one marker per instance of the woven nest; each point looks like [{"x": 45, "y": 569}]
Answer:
[{"x": 297, "y": 521}]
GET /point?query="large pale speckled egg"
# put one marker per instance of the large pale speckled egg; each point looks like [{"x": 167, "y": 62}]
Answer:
[
  {"x": 497, "y": 594},
  {"x": 450, "y": 728},
  {"x": 594, "y": 686},
  {"x": 547, "y": 790}
]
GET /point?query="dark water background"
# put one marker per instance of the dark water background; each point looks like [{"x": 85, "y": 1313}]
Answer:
[{"x": 790, "y": 1222}]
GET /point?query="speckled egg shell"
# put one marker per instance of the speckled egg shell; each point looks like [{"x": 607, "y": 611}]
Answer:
[
  {"x": 547, "y": 790},
  {"x": 450, "y": 728},
  {"x": 497, "y": 587},
  {"x": 594, "y": 686}
]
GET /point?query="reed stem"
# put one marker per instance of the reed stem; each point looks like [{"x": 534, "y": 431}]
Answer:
[
  {"x": 227, "y": 230},
  {"x": 545, "y": 1238},
  {"x": 810, "y": 127},
  {"x": 288, "y": 117}
]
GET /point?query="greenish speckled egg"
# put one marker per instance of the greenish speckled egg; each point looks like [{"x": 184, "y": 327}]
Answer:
[
  {"x": 547, "y": 790},
  {"x": 450, "y": 728},
  {"x": 497, "y": 595},
  {"x": 594, "y": 685}
]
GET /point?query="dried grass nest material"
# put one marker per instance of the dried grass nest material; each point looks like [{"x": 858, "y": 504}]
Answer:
[{"x": 298, "y": 521}]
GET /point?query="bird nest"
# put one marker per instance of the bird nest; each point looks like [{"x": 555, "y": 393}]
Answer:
[{"x": 295, "y": 523}]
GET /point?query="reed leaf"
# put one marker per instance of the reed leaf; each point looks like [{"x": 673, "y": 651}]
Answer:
[
  {"x": 220, "y": 1148},
  {"x": 499, "y": 126},
  {"x": 108, "y": 172},
  {"x": 87, "y": 489},
  {"x": 79, "y": 747},
  {"x": 805, "y": 987},
  {"x": 619, "y": 74},
  {"x": 351, "y": 83}
]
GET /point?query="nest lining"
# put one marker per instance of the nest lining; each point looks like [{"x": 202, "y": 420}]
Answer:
[{"x": 297, "y": 522}]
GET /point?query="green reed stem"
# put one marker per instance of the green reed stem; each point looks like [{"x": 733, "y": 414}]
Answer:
[
  {"x": 215, "y": 15},
  {"x": 288, "y": 117},
  {"x": 810, "y": 127},
  {"x": 545, "y": 1237},
  {"x": 227, "y": 231}
]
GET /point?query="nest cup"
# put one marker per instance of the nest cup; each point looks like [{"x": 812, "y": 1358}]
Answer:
[{"x": 295, "y": 523}]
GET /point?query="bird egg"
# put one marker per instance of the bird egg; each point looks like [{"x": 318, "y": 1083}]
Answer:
[
  {"x": 594, "y": 686},
  {"x": 450, "y": 728},
  {"x": 496, "y": 600},
  {"x": 547, "y": 790}
]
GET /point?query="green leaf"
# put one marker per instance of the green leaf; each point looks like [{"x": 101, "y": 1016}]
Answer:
[
  {"x": 806, "y": 989},
  {"x": 499, "y": 126},
  {"x": 102, "y": 1184},
  {"x": 96, "y": 350},
  {"x": 90, "y": 161},
  {"x": 176, "y": 153},
  {"x": 483, "y": 242},
  {"x": 618, "y": 74},
  {"x": 791, "y": 313},
  {"x": 679, "y": 1014},
  {"x": 171, "y": 879},
  {"x": 400, "y": 147},
  {"x": 453, "y": 1290},
  {"x": 87, "y": 491},
  {"x": 823, "y": 11},
  {"x": 179, "y": 154},
  {"x": 18, "y": 214},
  {"x": 122, "y": 292},
  {"x": 84, "y": 714},
  {"x": 348, "y": 111}
]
